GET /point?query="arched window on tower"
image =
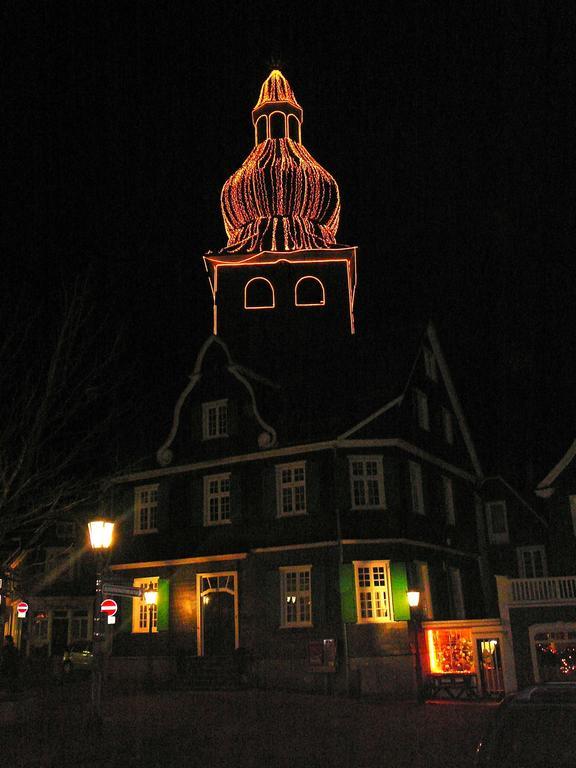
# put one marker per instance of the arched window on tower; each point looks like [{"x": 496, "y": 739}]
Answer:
[
  {"x": 261, "y": 129},
  {"x": 309, "y": 292},
  {"x": 293, "y": 128},
  {"x": 277, "y": 125},
  {"x": 259, "y": 294}
]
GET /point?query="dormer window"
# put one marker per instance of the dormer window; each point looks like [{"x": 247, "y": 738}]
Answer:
[{"x": 215, "y": 419}]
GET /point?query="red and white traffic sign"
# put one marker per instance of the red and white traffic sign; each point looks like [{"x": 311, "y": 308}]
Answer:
[
  {"x": 22, "y": 609},
  {"x": 109, "y": 607}
]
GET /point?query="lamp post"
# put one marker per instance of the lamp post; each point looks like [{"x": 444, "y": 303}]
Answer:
[
  {"x": 415, "y": 621},
  {"x": 101, "y": 532},
  {"x": 151, "y": 599}
]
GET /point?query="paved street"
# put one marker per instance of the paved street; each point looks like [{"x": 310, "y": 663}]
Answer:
[{"x": 251, "y": 728}]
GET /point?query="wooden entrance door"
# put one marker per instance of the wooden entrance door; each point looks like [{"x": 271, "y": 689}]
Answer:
[{"x": 218, "y": 617}]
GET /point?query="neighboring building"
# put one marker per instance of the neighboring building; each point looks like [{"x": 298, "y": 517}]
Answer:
[
  {"x": 309, "y": 477},
  {"x": 539, "y": 605},
  {"x": 49, "y": 571}
]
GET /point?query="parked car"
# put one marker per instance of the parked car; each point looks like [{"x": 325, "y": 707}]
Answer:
[
  {"x": 534, "y": 728},
  {"x": 78, "y": 657}
]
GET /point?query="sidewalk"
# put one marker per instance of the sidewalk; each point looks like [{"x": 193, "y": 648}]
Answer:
[{"x": 245, "y": 729}]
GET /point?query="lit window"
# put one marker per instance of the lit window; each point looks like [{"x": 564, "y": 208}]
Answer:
[
  {"x": 367, "y": 482},
  {"x": 430, "y": 364},
  {"x": 217, "y": 499},
  {"x": 215, "y": 419},
  {"x": 291, "y": 489},
  {"x": 422, "y": 413},
  {"x": 531, "y": 562},
  {"x": 296, "y": 595},
  {"x": 141, "y": 611},
  {"x": 259, "y": 294},
  {"x": 417, "y": 488},
  {"x": 373, "y": 591},
  {"x": 146, "y": 509},
  {"x": 449, "y": 500},
  {"x": 309, "y": 292},
  {"x": 497, "y": 522},
  {"x": 447, "y": 426}
]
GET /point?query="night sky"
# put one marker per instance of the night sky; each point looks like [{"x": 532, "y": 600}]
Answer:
[{"x": 448, "y": 126}]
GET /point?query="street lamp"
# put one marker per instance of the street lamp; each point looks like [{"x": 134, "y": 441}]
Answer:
[
  {"x": 151, "y": 600},
  {"x": 415, "y": 620},
  {"x": 101, "y": 533}
]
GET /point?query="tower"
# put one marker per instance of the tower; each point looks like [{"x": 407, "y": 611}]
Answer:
[{"x": 282, "y": 274}]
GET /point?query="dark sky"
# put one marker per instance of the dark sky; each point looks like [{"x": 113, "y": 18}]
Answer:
[{"x": 449, "y": 127}]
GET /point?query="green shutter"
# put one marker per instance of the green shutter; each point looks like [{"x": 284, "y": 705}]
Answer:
[
  {"x": 399, "y": 589},
  {"x": 163, "y": 604},
  {"x": 348, "y": 593}
]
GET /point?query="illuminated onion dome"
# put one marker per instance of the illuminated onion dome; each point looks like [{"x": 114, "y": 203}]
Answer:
[{"x": 281, "y": 199}]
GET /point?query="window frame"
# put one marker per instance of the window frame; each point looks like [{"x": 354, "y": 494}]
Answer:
[
  {"x": 360, "y": 589},
  {"x": 216, "y": 405},
  {"x": 292, "y": 485},
  {"x": 138, "y": 508},
  {"x": 298, "y": 593},
  {"x": 422, "y": 409},
  {"x": 531, "y": 549},
  {"x": 447, "y": 425},
  {"x": 458, "y": 604},
  {"x": 207, "y": 496},
  {"x": 430, "y": 364},
  {"x": 572, "y": 508},
  {"x": 417, "y": 488},
  {"x": 379, "y": 476},
  {"x": 449, "y": 505},
  {"x": 138, "y": 603},
  {"x": 497, "y": 538}
]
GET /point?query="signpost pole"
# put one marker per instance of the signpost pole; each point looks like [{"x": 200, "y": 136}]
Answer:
[{"x": 97, "y": 638}]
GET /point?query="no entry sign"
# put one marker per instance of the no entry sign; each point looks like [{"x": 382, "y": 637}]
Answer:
[
  {"x": 22, "y": 609},
  {"x": 109, "y": 607}
]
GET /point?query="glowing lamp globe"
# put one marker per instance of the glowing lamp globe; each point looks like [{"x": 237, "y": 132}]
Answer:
[
  {"x": 101, "y": 532},
  {"x": 151, "y": 596},
  {"x": 413, "y": 598}
]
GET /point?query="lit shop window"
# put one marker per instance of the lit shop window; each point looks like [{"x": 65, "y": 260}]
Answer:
[{"x": 451, "y": 651}]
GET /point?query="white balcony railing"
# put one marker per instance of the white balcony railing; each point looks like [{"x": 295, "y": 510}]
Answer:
[{"x": 547, "y": 589}]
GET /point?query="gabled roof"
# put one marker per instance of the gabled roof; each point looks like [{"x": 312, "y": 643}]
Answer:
[
  {"x": 545, "y": 484},
  {"x": 403, "y": 385}
]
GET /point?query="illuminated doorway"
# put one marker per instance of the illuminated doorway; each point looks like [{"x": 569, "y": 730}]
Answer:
[
  {"x": 490, "y": 667},
  {"x": 218, "y": 614}
]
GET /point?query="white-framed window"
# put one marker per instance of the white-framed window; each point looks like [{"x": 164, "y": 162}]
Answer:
[
  {"x": 417, "y": 488},
  {"x": 146, "y": 509},
  {"x": 141, "y": 611},
  {"x": 291, "y": 489},
  {"x": 215, "y": 419},
  {"x": 531, "y": 562},
  {"x": 448, "y": 489},
  {"x": 447, "y": 426},
  {"x": 572, "y": 502},
  {"x": 430, "y": 364},
  {"x": 367, "y": 482},
  {"x": 296, "y": 595},
  {"x": 373, "y": 591},
  {"x": 456, "y": 593},
  {"x": 497, "y": 520},
  {"x": 419, "y": 578},
  {"x": 422, "y": 411},
  {"x": 79, "y": 625},
  {"x": 217, "y": 499}
]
